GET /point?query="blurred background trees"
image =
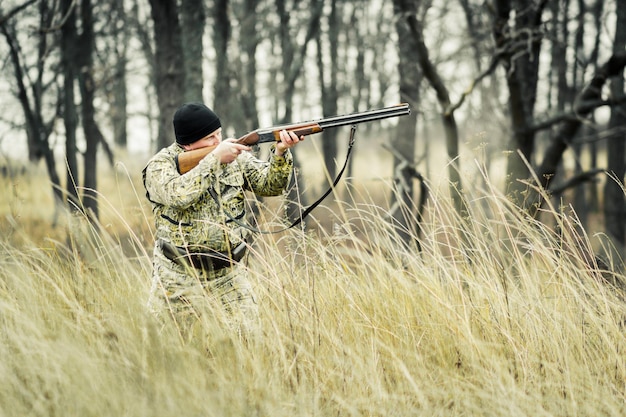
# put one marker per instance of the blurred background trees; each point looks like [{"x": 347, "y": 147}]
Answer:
[{"x": 531, "y": 92}]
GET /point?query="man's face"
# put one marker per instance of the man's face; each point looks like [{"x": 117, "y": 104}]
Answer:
[{"x": 212, "y": 139}]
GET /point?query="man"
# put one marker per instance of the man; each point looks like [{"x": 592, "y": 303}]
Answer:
[{"x": 200, "y": 217}]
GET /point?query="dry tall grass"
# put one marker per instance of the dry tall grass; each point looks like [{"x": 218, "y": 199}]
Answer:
[{"x": 496, "y": 316}]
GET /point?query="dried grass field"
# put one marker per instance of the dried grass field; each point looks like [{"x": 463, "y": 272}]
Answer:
[{"x": 496, "y": 316}]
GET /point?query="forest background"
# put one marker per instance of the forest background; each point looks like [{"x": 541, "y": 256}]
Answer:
[
  {"x": 528, "y": 94},
  {"x": 470, "y": 264}
]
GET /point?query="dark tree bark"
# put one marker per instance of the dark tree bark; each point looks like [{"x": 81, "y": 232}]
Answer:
[
  {"x": 249, "y": 35},
  {"x": 581, "y": 204},
  {"x": 357, "y": 39},
  {"x": 169, "y": 66},
  {"x": 4, "y": 18},
  {"x": 93, "y": 135},
  {"x": 38, "y": 129},
  {"x": 598, "y": 19},
  {"x": 588, "y": 100},
  {"x": 221, "y": 37},
  {"x": 293, "y": 59},
  {"x": 292, "y": 65},
  {"x": 519, "y": 43},
  {"x": 193, "y": 19},
  {"x": 36, "y": 142},
  {"x": 559, "y": 65},
  {"x": 614, "y": 202},
  {"x": 143, "y": 33},
  {"x": 328, "y": 84},
  {"x": 69, "y": 59},
  {"x": 561, "y": 93},
  {"x": 120, "y": 36},
  {"x": 478, "y": 23},
  {"x": 403, "y": 140},
  {"x": 443, "y": 96},
  {"x": 244, "y": 113},
  {"x": 359, "y": 91}
]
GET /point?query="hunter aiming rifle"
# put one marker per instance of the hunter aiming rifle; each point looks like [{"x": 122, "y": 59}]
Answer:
[{"x": 189, "y": 159}]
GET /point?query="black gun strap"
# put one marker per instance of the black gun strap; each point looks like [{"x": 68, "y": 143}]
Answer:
[{"x": 309, "y": 209}]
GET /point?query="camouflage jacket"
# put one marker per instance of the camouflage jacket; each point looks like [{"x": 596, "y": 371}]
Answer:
[{"x": 186, "y": 213}]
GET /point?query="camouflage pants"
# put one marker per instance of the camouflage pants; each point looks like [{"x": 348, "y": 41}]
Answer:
[{"x": 189, "y": 294}]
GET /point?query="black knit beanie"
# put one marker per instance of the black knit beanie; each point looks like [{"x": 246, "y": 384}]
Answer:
[{"x": 193, "y": 121}]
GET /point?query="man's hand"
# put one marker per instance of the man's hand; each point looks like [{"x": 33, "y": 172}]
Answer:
[
  {"x": 287, "y": 140},
  {"x": 228, "y": 150}
]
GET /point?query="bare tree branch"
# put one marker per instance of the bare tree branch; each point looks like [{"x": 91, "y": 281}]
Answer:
[
  {"x": 575, "y": 181},
  {"x": 567, "y": 131},
  {"x": 16, "y": 10},
  {"x": 492, "y": 67},
  {"x": 582, "y": 110},
  {"x": 448, "y": 120}
]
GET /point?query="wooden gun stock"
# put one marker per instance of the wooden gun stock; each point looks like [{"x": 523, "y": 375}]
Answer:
[{"x": 186, "y": 161}]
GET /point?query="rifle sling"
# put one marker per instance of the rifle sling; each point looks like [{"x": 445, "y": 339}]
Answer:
[{"x": 309, "y": 209}]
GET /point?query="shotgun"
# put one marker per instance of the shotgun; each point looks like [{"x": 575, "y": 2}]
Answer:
[{"x": 189, "y": 159}]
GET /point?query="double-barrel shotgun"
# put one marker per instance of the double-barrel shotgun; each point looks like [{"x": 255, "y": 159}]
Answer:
[{"x": 189, "y": 159}]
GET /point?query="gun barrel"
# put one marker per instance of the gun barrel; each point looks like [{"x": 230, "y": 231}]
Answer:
[
  {"x": 316, "y": 126},
  {"x": 367, "y": 116}
]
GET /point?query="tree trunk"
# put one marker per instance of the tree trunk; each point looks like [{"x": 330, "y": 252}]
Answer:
[
  {"x": 614, "y": 202},
  {"x": 93, "y": 135},
  {"x": 249, "y": 39},
  {"x": 193, "y": 19},
  {"x": 403, "y": 140},
  {"x": 520, "y": 43},
  {"x": 330, "y": 95},
  {"x": 356, "y": 40},
  {"x": 293, "y": 63},
  {"x": 588, "y": 100},
  {"x": 141, "y": 32},
  {"x": 581, "y": 204},
  {"x": 37, "y": 129},
  {"x": 69, "y": 51},
  {"x": 221, "y": 37},
  {"x": 598, "y": 22},
  {"x": 447, "y": 114},
  {"x": 119, "y": 100},
  {"x": 169, "y": 66},
  {"x": 292, "y": 66},
  {"x": 36, "y": 141}
]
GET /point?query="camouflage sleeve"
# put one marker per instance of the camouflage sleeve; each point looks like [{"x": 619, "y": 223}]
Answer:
[
  {"x": 167, "y": 187},
  {"x": 268, "y": 179}
]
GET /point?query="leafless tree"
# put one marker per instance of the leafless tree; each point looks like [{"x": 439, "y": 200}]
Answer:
[
  {"x": 70, "y": 64},
  {"x": 169, "y": 67},
  {"x": 614, "y": 191},
  {"x": 403, "y": 140},
  {"x": 251, "y": 32},
  {"x": 518, "y": 38},
  {"x": 115, "y": 58},
  {"x": 293, "y": 55},
  {"x": 193, "y": 20},
  {"x": 328, "y": 82},
  {"x": 222, "y": 32},
  {"x": 35, "y": 84},
  {"x": 430, "y": 72},
  {"x": 87, "y": 83}
]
